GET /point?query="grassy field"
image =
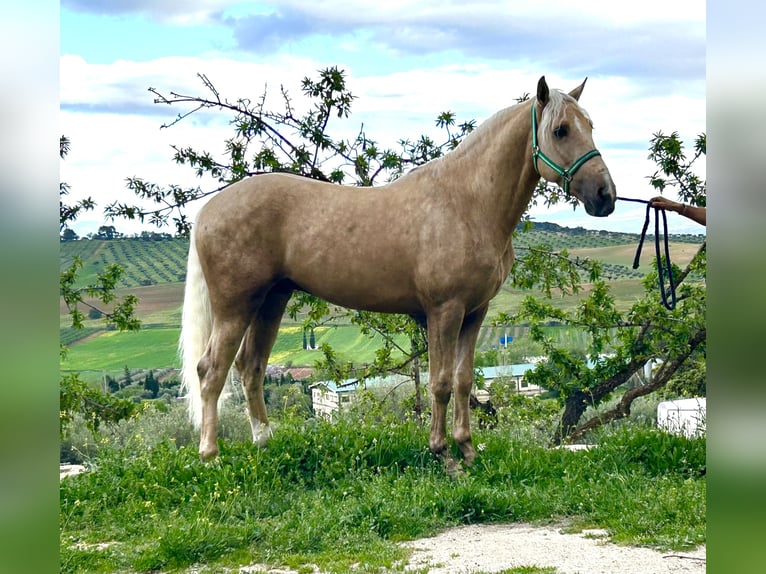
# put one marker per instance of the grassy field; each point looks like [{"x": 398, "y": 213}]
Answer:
[
  {"x": 154, "y": 271},
  {"x": 154, "y": 347},
  {"x": 341, "y": 495},
  {"x": 110, "y": 350}
]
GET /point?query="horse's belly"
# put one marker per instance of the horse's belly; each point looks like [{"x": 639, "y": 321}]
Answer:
[
  {"x": 384, "y": 296},
  {"x": 358, "y": 281}
]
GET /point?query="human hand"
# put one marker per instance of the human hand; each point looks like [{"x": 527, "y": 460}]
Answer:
[{"x": 666, "y": 204}]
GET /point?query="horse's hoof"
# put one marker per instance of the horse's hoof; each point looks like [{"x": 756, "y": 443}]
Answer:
[
  {"x": 261, "y": 435},
  {"x": 208, "y": 453}
]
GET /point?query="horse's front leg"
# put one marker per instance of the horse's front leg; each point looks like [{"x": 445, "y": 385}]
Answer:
[
  {"x": 466, "y": 347},
  {"x": 443, "y": 330}
]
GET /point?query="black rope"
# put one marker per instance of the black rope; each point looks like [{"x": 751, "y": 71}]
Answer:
[{"x": 668, "y": 297}]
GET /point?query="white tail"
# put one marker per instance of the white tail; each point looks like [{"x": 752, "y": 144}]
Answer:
[{"x": 196, "y": 326}]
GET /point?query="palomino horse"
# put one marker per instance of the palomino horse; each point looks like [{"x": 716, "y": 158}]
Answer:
[{"x": 434, "y": 244}]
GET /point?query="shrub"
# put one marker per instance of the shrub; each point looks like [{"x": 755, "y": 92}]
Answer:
[{"x": 520, "y": 415}]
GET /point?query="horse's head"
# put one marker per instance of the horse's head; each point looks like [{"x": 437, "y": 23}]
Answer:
[{"x": 563, "y": 149}]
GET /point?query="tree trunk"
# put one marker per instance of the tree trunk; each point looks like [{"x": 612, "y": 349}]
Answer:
[
  {"x": 574, "y": 407},
  {"x": 418, "y": 408},
  {"x": 622, "y": 409},
  {"x": 576, "y": 403}
]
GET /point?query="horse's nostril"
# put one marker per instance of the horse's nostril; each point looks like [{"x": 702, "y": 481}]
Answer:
[{"x": 606, "y": 196}]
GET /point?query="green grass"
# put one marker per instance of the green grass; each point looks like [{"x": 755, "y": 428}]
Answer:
[
  {"x": 347, "y": 340},
  {"x": 341, "y": 494},
  {"x": 157, "y": 347},
  {"x": 147, "y": 348}
]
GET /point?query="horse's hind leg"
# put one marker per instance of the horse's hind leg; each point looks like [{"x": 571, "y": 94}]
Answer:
[
  {"x": 213, "y": 369},
  {"x": 461, "y": 430},
  {"x": 253, "y": 357}
]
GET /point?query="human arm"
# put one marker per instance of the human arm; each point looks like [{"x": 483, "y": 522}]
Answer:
[{"x": 696, "y": 214}]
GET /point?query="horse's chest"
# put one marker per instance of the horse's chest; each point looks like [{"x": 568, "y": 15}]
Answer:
[
  {"x": 494, "y": 275},
  {"x": 500, "y": 272},
  {"x": 484, "y": 276}
]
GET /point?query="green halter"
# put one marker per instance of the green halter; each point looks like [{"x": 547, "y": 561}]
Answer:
[{"x": 566, "y": 174}]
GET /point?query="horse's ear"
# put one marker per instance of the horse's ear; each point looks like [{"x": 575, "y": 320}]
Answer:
[
  {"x": 578, "y": 90},
  {"x": 542, "y": 91}
]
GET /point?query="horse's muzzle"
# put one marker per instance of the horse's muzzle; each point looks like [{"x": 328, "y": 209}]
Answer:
[
  {"x": 601, "y": 204},
  {"x": 598, "y": 195}
]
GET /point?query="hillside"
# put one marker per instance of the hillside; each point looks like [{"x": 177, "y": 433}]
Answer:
[{"x": 155, "y": 270}]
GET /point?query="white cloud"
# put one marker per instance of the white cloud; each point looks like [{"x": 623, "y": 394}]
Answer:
[
  {"x": 398, "y": 11},
  {"x": 657, "y": 41},
  {"x": 188, "y": 12},
  {"x": 125, "y": 83}
]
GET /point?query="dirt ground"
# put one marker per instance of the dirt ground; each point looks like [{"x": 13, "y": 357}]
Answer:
[{"x": 491, "y": 548}]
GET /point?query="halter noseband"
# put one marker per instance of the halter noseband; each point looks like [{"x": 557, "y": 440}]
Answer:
[{"x": 566, "y": 174}]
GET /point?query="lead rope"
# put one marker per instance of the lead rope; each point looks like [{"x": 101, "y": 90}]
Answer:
[{"x": 667, "y": 270}]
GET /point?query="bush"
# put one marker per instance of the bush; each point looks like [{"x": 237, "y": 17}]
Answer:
[
  {"x": 79, "y": 444},
  {"x": 643, "y": 412},
  {"x": 520, "y": 415}
]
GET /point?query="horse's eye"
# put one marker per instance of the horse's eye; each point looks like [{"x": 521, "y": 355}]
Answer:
[{"x": 561, "y": 131}]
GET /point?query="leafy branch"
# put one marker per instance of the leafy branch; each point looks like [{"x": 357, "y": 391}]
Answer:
[
  {"x": 619, "y": 345},
  {"x": 668, "y": 153},
  {"x": 266, "y": 141},
  {"x": 76, "y": 397}
]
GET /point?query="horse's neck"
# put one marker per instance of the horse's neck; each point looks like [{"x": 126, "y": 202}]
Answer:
[{"x": 495, "y": 162}]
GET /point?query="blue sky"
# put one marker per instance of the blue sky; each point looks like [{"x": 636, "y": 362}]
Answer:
[{"x": 407, "y": 61}]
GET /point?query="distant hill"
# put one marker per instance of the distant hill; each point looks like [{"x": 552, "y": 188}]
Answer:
[{"x": 145, "y": 262}]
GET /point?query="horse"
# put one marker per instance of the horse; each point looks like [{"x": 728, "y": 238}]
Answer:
[{"x": 434, "y": 244}]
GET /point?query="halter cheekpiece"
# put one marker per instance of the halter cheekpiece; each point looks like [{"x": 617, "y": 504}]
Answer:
[{"x": 566, "y": 174}]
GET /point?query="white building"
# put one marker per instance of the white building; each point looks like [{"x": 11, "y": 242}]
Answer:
[
  {"x": 329, "y": 397},
  {"x": 683, "y": 416},
  {"x": 514, "y": 373}
]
